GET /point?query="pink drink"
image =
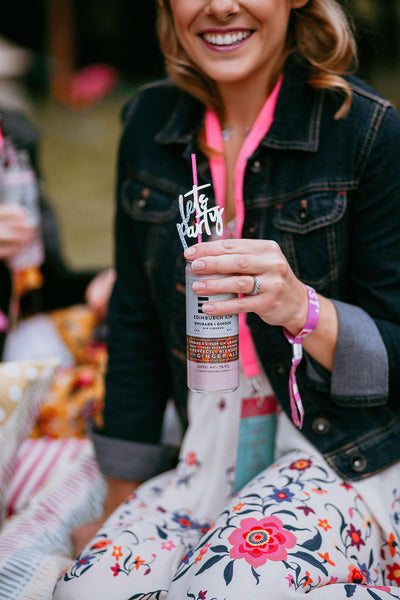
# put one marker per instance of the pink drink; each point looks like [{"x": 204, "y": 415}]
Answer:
[{"x": 212, "y": 343}]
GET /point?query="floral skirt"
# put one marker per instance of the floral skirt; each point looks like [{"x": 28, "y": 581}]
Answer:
[{"x": 295, "y": 528}]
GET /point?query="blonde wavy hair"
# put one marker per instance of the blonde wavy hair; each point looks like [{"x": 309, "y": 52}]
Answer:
[{"x": 320, "y": 35}]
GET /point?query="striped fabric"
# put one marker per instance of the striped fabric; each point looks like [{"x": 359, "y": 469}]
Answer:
[
  {"x": 56, "y": 486},
  {"x": 37, "y": 460},
  {"x": 23, "y": 385}
]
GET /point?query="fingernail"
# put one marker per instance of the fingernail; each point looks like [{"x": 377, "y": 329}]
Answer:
[
  {"x": 198, "y": 265},
  {"x": 199, "y": 285},
  {"x": 208, "y": 308},
  {"x": 190, "y": 251}
]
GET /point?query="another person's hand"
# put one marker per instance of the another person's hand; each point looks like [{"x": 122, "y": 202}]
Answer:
[
  {"x": 15, "y": 230},
  {"x": 98, "y": 292},
  {"x": 117, "y": 491},
  {"x": 282, "y": 298}
]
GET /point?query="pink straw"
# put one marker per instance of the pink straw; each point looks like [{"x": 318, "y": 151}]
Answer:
[{"x": 195, "y": 184}]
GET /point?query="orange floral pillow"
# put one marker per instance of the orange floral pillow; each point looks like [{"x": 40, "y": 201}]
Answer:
[{"x": 77, "y": 392}]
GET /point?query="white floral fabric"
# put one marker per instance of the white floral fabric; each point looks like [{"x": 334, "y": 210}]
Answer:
[{"x": 295, "y": 528}]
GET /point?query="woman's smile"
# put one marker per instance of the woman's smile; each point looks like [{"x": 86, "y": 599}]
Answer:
[
  {"x": 231, "y": 41},
  {"x": 225, "y": 40}
]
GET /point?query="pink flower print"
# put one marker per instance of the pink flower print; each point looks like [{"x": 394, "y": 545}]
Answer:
[
  {"x": 202, "y": 595},
  {"x": 355, "y": 536},
  {"x": 116, "y": 569},
  {"x": 300, "y": 465},
  {"x": 258, "y": 541},
  {"x": 168, "y": 545},
  {"x": 290, "y": 579}
]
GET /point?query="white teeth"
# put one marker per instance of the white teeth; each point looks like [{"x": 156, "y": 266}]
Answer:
[{"x": 226, "y": 39}]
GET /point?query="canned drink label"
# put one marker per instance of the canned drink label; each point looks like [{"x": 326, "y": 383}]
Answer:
[
  {"x": 198, "y": 324},
  {"x": 212, "y": 343},
  {"x": 213, "y": 350}
]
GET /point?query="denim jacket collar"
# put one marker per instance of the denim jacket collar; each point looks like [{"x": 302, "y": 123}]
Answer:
[{"x": 289, "y": 131}]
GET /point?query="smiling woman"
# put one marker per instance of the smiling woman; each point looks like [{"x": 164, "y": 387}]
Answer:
[
  {"x": 205, "y": 31},
  {"x": 328, "y": 55},
  {"x": 308, "y": 187},
  {"x": 231, "y": 38}
]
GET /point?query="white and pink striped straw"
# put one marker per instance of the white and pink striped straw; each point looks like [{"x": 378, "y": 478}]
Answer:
[{"x": 195, "y": 184}]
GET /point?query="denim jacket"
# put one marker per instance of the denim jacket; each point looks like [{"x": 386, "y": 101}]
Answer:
[{"x": 328, "y": 191}]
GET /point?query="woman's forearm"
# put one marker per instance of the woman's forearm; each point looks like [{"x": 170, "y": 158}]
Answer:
[{"x": 321, "y": 343}]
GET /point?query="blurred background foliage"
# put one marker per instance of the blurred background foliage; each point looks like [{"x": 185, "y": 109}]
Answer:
[{"x": 70, "y": 65}]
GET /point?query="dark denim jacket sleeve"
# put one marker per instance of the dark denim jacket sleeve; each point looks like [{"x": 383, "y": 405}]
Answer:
[
  {"x": 361, "y": 366},
  {"x": 367, "y": 358},
  {"x": 138, "y": 380},
  {"x": 123, "y": 459}
]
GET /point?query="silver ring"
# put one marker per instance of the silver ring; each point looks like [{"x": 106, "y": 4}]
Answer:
[{"x": 256, "y": 287}]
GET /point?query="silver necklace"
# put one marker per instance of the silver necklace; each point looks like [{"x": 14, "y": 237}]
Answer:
[{"x": 228, "y": 132}]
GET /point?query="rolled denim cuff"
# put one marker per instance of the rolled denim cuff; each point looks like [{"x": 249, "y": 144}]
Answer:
[
  {"x": 133, "y": 461},
  {"x": 360, "y": 374}
]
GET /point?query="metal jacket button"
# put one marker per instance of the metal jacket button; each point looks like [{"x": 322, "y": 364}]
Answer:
[
  {"x": 302, "y": 213},
  {"x": 140, "y": 203},
  {"x": 256, "y": 167},
  {"x": 358, "y": 462},
  {"x": 250, "y": 230},
  {"x": 278, "y": 370},
  {"x": 321, "y": 426}
]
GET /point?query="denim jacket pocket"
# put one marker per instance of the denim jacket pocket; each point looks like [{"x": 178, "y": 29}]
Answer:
[
  {"x": 148, "y": 203},
  {"x": 312, "y": 235}
]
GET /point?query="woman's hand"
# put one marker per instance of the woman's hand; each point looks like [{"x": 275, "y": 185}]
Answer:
[
  {"x": 98, "y": 292},
  {"x": 15, "y": 230},
  {"x": 282, "y": 298}
]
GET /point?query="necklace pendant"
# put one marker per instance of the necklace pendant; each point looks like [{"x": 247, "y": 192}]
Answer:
[{"x": 227, "y": 133}]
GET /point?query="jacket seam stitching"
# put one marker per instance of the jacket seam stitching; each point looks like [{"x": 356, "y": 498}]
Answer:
[{"x": 369, "y": 139}]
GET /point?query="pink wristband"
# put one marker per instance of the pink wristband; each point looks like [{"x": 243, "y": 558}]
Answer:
[
  {"x": 3, "y": 322},
  {"x": 296, "y": 404}
]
